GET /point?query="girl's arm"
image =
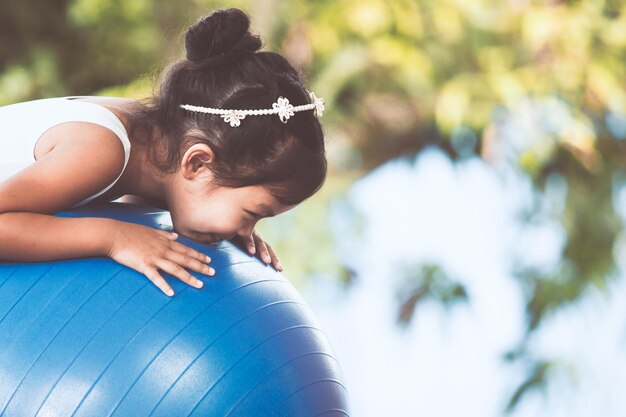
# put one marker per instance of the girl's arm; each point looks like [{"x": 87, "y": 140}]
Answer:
[
  {"x": 72, "y": 171},
  {"x": 84, "y": 162},
  {"x": 34, "y": 237}
]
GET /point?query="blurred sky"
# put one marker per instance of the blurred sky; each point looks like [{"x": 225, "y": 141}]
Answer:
[{"x": 449, "y": 363}]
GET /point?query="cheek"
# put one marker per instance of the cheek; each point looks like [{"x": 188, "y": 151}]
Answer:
[{"x": 187, "y": 217}]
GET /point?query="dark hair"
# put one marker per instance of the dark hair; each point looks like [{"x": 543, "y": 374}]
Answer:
[{"x": 224, "y": 69}]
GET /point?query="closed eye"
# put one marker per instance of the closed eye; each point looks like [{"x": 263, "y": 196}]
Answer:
[{"x": 253, "y": 214}]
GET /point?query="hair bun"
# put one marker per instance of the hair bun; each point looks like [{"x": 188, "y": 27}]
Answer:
[{"x": 221, "y": 32}]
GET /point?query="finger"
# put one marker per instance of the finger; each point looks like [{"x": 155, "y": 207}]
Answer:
[
  {"x": 165, "y": 233},
  {"x": 249, "y": 241},
  {"x": 154, "y": 276},
  {"x": 275, "y": 260},
  {"x": 179, "y": 272},
  {"x": 262, "y": 251},
  {"x": 261, "y": 247},
  {"x": 179, "y": 247},
  {"x": 189, "y": 262}
]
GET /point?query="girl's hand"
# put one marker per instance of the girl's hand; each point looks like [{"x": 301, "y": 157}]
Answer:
[
  {"x": 145, "y": 250},
  {"x": 254, "y": 243}
]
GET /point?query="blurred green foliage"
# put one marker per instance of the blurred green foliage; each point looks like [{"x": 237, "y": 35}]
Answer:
[
  {"x": 398, "y": 75},
  {"x": 424, "y": 282}
]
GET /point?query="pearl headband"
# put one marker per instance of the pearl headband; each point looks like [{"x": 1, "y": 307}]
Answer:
[{"x": 281, "y": 107}]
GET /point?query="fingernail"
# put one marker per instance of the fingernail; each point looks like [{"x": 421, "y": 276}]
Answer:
[
  {"x": 169, "y": 292},
  {"x": 280, "y": 266},
  {"x": 211, "y": 271},
  {"x": 252, "y": 250},
  {"x": 208, "y": 259},
  {"x": 199, "y": 283}
]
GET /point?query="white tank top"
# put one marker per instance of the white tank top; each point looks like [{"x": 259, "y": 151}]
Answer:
[{"x": 23, "y": 123}]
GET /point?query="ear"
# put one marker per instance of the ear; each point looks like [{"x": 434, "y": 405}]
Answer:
[{"x": 196, "y": 160}]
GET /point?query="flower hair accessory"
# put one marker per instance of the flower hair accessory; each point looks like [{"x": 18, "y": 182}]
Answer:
[{"x": 281, "y": 107}]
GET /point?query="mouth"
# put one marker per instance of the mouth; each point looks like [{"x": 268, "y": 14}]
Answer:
[{"x": 214, "y": 239}]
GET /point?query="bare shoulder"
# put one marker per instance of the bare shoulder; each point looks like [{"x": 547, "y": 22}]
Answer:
[
  {"x": 71, "y": 133},
  {"x": 83, "y": 159}
]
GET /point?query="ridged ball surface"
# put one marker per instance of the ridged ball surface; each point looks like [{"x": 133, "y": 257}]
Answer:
[{"x": 90, "y": 337}]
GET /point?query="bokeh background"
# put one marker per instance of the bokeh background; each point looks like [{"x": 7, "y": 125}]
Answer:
[{"x": 466, "y": 255}]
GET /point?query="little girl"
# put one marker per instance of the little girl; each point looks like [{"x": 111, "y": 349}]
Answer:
[{"x": 230, "y": 137}]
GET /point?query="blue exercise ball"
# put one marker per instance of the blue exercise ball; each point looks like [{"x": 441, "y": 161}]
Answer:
[{"x": 91, "y": 337}]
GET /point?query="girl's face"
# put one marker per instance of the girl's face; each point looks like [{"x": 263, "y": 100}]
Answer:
[{"x": 221, "y": 213}]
